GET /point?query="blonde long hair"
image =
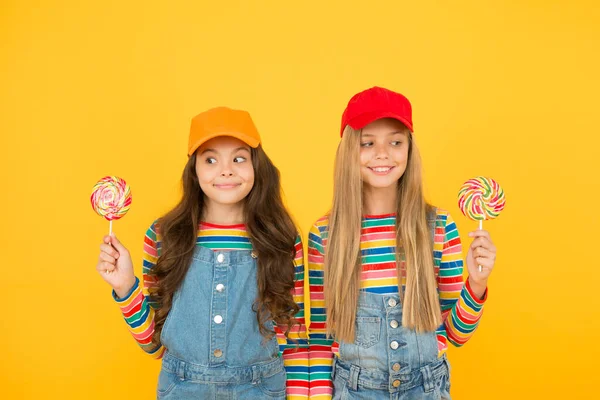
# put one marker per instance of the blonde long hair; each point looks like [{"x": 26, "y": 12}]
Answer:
[{"x": 421, "y": 308}]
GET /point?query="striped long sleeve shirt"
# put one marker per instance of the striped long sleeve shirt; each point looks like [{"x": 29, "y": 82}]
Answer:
[
  {"x": 461, "y": 309},
  {"x": 138, "y": 308}
]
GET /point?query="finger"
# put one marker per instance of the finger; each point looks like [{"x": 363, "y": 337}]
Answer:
[
  {"x": 117, "y": 244},
  {"x": 484, "y": 243},
  {"x": 106, "y": 267},
  {"x": 483, "y": 270},
  {"x": 487, "y": 243},
  {"x": 479, "y": 233},
  {"x": 485, "y": 262},
  {"x": 107, "y": 258},
  {"x": 483, "y": 253},
  {"x": 109, "y": 250},
  {"x": 106, "y": 239}
]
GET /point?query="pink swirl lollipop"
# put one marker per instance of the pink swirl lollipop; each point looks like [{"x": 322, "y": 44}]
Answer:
[
  {"x": 481, "y": 199},
  {"x": 111, "y": 198}
]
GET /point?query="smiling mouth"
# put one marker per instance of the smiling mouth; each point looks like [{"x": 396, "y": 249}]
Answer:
[
  {"x": 381, "y": 170},
  {"x": 227, "y": 186}
]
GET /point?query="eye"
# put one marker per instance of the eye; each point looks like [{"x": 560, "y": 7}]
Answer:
[
  {"x": 239, "y": 159},
  {"x": 366, "y": 144},
  {"x": 210, "y": 160},
  {"x": 396, "y": 143}
]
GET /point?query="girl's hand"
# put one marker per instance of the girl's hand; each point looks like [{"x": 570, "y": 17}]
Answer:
[
  {"x": 115, "y": 266},
  {"x": 482, "y": 252}
]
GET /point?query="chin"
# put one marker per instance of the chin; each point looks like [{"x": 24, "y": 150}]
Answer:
[
  {"x": 382, "y": 183},
  {"x": 224, "y": 198},
  {"x": 230, "y": 200}
]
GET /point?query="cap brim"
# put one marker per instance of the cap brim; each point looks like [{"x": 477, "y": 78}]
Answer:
[
  {"x": 365, "y": 119},
  {"x": 250, "y": 141}
]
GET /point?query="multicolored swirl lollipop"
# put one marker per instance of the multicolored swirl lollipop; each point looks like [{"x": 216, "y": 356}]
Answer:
[
  {"x": 481, "y": 199},
  {"x": 111, "y": 198}
]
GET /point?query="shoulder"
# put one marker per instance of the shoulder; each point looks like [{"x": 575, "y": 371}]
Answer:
[
  {"x": 298, "y": 241},
  {"x": 446, "y": 223},
  {"x": 319, "y": 228},
  {"x": 153, "y": 231},
  {"x": 441, "y": 216},
  {"x": 445, "y": 217},
  {"x": 153, "y": 237}
]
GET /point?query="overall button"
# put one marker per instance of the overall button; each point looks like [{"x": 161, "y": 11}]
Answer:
[
  {"x": 218, "y": 319},
  {"x": 396, "y": 383},
  {"x": 394, "y": 323},
  {"x": 220, "y": 287},
  {"x": 253, "y": 255},
  {"x": 220, "y": 258},
  {"x": 218, "y": 353},
  {"x": 394, "y": 345},
  {"x": 392, "y": 302},
  {"x": 396, "y": 367}
]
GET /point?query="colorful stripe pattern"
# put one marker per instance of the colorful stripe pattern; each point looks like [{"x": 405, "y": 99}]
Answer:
[
  {"x": 138, "y": 308},
  {"x": 481, "y": 198},
  {"x": 461, "y": 310}
]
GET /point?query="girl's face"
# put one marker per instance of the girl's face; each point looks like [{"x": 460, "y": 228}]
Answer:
[
  {"x": 224, "y": 169},
  {"x": 383, "y": 153}
]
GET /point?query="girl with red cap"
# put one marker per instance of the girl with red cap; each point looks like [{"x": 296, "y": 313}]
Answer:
[
  {"x": 386, "y": 287},
  {"x": 222, "y": 299}
]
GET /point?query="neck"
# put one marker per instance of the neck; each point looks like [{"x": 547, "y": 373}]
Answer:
[
  {"x": 223, "y": 214},
  {"x": 378, "y": 201}
]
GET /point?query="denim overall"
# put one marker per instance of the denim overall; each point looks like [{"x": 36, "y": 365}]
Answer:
[
  {"x": 214, "y": 348},
  {"x": 386, "y": 360}
]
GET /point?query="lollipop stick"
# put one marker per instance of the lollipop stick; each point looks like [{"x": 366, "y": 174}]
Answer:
[
  {"x": 480, "y": 228},
  {"x": 109, "y": 243}
]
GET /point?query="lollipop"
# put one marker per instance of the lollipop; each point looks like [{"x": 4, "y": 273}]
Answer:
[
  {"x": 111, "y": 198},
  {"x": 481, "y": 199}
]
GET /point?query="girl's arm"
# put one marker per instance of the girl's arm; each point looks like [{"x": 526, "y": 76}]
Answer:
[
  {"x": 321, "y": 354},
  {"x": 461, "y": 307},
  {"x": 295, "y": 346},
  {"x": 137, "y": 306}
]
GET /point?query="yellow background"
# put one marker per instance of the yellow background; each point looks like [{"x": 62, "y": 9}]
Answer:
[{"x": 507, "y": 89}]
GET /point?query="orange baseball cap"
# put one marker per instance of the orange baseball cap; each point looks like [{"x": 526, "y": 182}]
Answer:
[{"x": 222, "y": 121}]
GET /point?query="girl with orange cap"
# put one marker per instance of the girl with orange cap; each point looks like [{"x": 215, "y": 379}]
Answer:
[{"x": 222, "y": 300}]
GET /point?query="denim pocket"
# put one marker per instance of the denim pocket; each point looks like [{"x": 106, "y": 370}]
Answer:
[
  {"x": 170, "y": 316},
  {"x": 273, "y": 386},
  {"x": 367, "y": 331},
  {"x": 442, "y": 383},
  {"x": 166, "y": 383},
  {"x": 446, "y": 383},
  {"x": 339, "y": 388}
]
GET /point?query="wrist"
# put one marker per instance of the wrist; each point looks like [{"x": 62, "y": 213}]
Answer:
[
  {"x": 478, "y": 287},
  {"x": 122, "y": 291}
]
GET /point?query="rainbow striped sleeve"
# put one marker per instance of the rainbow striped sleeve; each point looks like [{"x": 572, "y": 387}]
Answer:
[
  {"x": 295, "y": 348},
  {"x": 461, "y": 309},
  {"x": 321, "y": 354},
  {"x": 136, "y": 306}
]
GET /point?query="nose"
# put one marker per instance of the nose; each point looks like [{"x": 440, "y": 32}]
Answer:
[
  {"x": 381, "y": 152},
  {"x": 226, "y": 170}
]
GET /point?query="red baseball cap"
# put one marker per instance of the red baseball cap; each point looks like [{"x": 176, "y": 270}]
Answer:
[{"x": 376, "y": 103}]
